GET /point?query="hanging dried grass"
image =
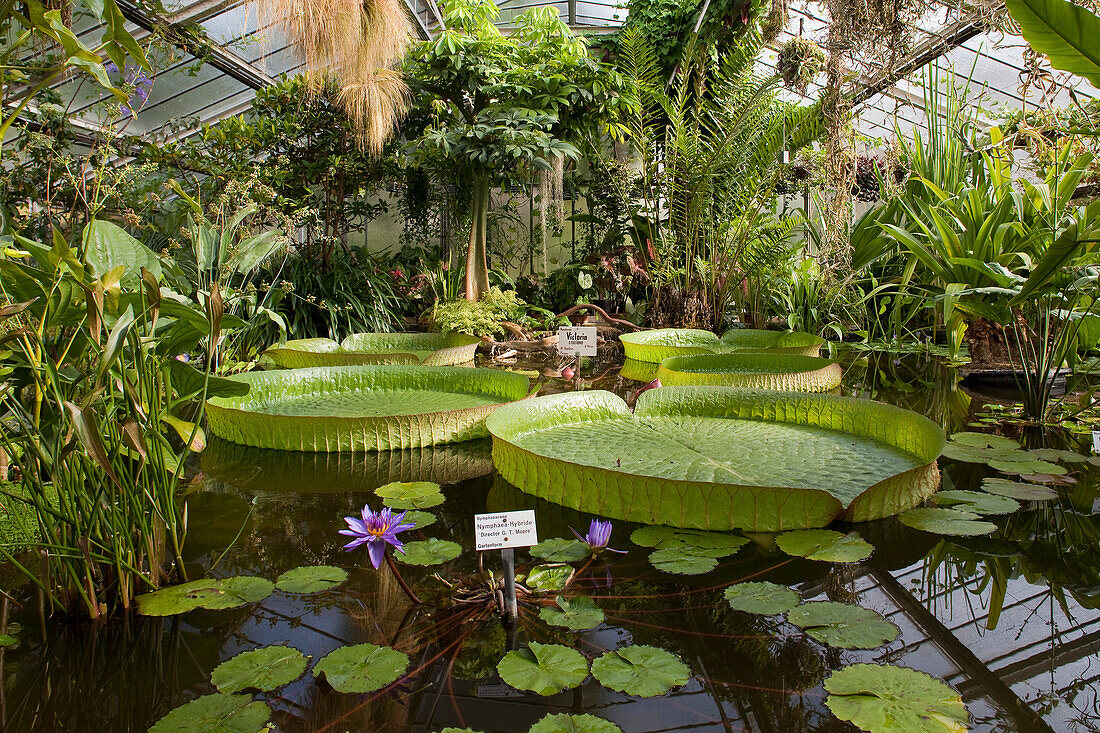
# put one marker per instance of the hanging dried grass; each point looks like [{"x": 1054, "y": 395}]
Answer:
[{"x": 357, "y": 42}]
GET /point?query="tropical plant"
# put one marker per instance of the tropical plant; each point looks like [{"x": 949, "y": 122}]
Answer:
[
  {"x": 1062, "y": 30},
  {"x": 496, "y": 106},
  {"x": 480, "y": 318}
]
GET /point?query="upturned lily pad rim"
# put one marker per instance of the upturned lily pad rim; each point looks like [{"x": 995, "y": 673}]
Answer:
[
  {"x": 655, "y": 345},
  {"x": 448, "y": 348},
  {"x": 902, "y": 429},
  {"x": 750, "y": 369}
]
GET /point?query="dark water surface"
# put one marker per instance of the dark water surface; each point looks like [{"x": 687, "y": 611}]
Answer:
[{"x": 1009, "y": 620}]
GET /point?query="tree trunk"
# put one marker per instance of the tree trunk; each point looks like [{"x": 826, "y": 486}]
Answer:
[{"x": 477, "y": 261}]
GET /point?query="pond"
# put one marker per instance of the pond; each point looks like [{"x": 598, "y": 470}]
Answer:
[{"x": 1009, "y": 620}]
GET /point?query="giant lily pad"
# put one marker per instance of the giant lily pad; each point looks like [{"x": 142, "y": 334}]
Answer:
[
  {"x": 358, "y": 408},
  {"x": 429, "y": 349},
  {"x": 217, "y": 713},
  {"x": 579, "y": 613},
  {"x": 267, "y": 668},
  {"x": 362, "y": 667},
  {"x": 717, "y": 457},
  {"x": 656, "y": 345},
  {"x": 976, "y": 502},
  {"x": 843, "y": 625},
  {"x": 950, "y": 522},
  {"x": 825, "y": 545},
  {"x": 311, "y": 579},
  {"x": 885, "y": 699},
  {"x": 431, "y": 551},
  {"x": 644, "y": 671},
  {"x": 567, "y": 723},
  {"x": 545, "y": 669},
  {"x": 208, "y": 593},
  {"x": 410, "y": 495},
  {"x": 639, "y": 371},
  {"x": 764, "y": 598},
  {"x": 784, "y": 372}
]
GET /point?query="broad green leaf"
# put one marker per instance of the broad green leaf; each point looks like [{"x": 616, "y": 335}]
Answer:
[
  {"x": 362, "y": 667},
  {"x": 545, "y": 669},
  {"x": 106, "y": 246},
  {"x": 976, "y": 502},
  {"x": 949, "y": 522},
  {"x": 714, "y": 544},
  {"x": 1018, "y": 490},
  {"x": 311, "y": 579},
  {"x": 558, "y": 549},
  {"x": 431, "y": 551},
  {"x": 984, "y": 440},
  {"x": 577, "y": 613},
  {"x": 178, "y": 598},
  {"x": 187, "y": 380},
  {"x": 548, "y": 577},
  {"x": 643, "y": 671},
  {"x": 683, "y": 560},
  {"x": 1053, "y": 454},
  {"x": 217, "y": 713},
  {"x": 1065, "y": 32},
  {"x": 843, "y": 625},
  {"x": 420, "y": 520},
  {"x": 267, "y": 668},
  {"x": 568, "y": 723},
  {"x": 825, "y": 545},
  {"x": 764, "y": 598},
  {"x": 888, "y": 699},
  {"x": 8, "y": 641},
  {"x": 411, "y": 495},
  {"x": 238, "y": 591}
]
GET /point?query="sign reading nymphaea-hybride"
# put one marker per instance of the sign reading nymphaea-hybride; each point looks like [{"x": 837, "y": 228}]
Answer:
[
  {"x": 577, "y": 340},
  {"x": 505, "y": 529}
]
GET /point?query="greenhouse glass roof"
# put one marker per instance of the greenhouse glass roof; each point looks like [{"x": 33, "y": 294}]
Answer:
[{"x": 243, "y": 54}]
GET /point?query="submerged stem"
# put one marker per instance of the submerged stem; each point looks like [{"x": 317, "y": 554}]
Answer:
[{"x": 401, "y": 581}]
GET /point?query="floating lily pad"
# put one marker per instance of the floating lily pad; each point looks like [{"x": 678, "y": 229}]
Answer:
[
  {"x": 764, "y": 598},
  {"x": 1018, "y": 490},
  {"x": 460, "y": 730},
  {"x": 643, "y": 671},
  {"x": 410, "y": 495},
  {"x": 431, "y": 551},
  {"x": 886, "y": 699},
  {"x": 217, "y": 713},
  {"x": 825, "y": 545},
  {"x": 420, "y": 520},
  {"x": 311, "y": 579},
  {"x": 267, "y": 668},
  {"x": 683, "y": 560},
  {"x": 579, "y": 613},
  {"x": 984, "y": 440},
  {"x": 238, "y": 591},
  {"x": 946, "y": 522},
  {"x": 8, "y": 641},
  {"x": 843, "y": 625},
  {"x": 976, "y": 502},
  {"x": 1027, "y": 467},
  {"x": 566, "y": 723},
  {"x": 660, "y": 537},
  {"x": 1054, "y": 454},
  {"x": 545, "y": 669},
  {"x": 548, "y": 577},
  {"x": 559, "y": 549},
  {"x": 209, "y": 593},
  {"x": 362, "y": 667}
]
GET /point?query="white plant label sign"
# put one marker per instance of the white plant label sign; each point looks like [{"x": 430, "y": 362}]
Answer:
[
  {"x": 506, "y": 529},
  {"x": 1096, "y": 441},
  {"x": 577, "y": 340}
]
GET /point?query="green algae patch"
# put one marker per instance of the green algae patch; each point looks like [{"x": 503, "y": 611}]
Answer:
[
  {"x": 718, "y": 458},
  {"x": 362, "y": 408}
]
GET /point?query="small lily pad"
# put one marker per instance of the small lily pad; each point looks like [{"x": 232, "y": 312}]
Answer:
[
  {"x": 419, "y": 519},
  {"x": 559, "y": 549},
  {"x": 825, "y": 545},
  {"x": 209, "y": 593},
  {"x": 7, "y": 641},
  {"x": 311, "y": 579},
  {"x": 548, "y": 577},
  {"x": 887, "y": 699},
  {"x": 976, "y": 502},
  {"x": 431, "y": 551},
  {"x": 643, "y": 671},
  {"x": 1018, "y": 490},
  {"x": 984, "y": 440},
  {"x": 362, "y": 667},
  {"x": 239, "y": 591},
  {"x": 410, "y": 495},
  {"x": 267, "y": 668},
  {"x": 764, "y": 598},
  {"x": 1053, "y": 454},
  {"x": 949, "y": 522},
  {"x": 566, "y": 723},
  {"x": 1028, "y": 467},
  {"x": 683, "y": 561},
  {"x": 545, "y": 669},
  {"x": 843, "y": 625},
  {"x": 217, "y": 713},
  {"x": 660, "y": 537},
  {"x": 579, "y": 613}
]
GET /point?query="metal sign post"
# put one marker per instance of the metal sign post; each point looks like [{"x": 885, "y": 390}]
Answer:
[
  {"x": 505, "y": 531},
  {"x": 511, "y": 607}
]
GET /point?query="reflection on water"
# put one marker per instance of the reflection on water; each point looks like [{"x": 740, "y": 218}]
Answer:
[{"x": 1010, "y": 620}]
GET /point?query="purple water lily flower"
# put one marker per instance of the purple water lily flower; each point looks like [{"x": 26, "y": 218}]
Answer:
[
  {"x": 599, "y": 534},
  {"x": 376, "y": 529}
]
